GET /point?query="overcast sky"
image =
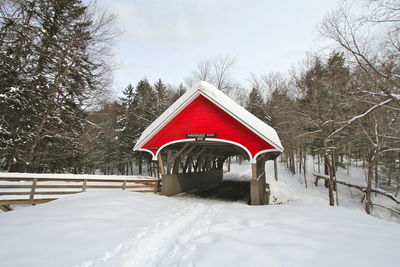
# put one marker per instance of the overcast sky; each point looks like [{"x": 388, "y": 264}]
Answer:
[{"x": 166, "y": 38}]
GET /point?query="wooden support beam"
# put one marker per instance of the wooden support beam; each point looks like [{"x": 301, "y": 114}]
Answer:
[
  {"x": 190, "y": 149},
  {"x": 254, "y": 171},
  {"x": 183, "y": 149},
  {"x": 25, "y": 201},
  {"x": 190, "y": 166},
  {"x": 186, "y": 166},
  {"x": 204, "y": 165},
  {"x": 5, "y": 208},
  {"x": 200, "y": 152},
  {"x": 161, "y": 164},
  {"x": 178, "y": 157},
  {"x": 199, "y": 158},
  {"x": 214, "y": 164},
  {"x": 193, "y": 165},
  {"x": 177, "y": 161}
]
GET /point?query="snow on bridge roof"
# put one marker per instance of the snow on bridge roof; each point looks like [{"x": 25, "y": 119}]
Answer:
[{"x": 253, "y": 123}]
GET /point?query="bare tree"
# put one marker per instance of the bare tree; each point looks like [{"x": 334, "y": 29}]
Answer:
[
  {"x": 372, "y": 41},
  {"x": 216, "y": 71}
]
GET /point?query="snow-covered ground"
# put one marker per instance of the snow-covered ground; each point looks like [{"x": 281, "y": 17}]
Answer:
[
  {"x": 117, "y": 228},
  {"x": 348, "y": 197}
]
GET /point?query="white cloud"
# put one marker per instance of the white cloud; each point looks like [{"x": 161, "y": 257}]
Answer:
[{"x": 168, "y": 21}]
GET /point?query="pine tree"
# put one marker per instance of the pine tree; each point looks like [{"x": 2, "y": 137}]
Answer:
[
  {"x": 163, "y": 97},
  {"x": 127, "y": 128},
  {"x": 144, "y": 110},
  {"x": 101, "y": 140},
  {"x": 175, "y": 94},
  {"x": 140, "y": 108}
]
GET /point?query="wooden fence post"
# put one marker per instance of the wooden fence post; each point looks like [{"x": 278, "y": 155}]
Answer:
[
  {"x": 33, "y": 189},
  {"x": 156, "y": 186},
  {"x": 84, "y": 185}
]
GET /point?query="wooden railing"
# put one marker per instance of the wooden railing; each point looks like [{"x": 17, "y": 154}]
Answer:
[{"x": 11, "y": 187}]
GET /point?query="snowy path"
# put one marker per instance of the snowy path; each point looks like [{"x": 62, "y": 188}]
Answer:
[{"x": 164, "y": 243}]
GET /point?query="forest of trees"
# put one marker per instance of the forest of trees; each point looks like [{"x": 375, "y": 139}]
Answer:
[{"x": 339, "y": 107}]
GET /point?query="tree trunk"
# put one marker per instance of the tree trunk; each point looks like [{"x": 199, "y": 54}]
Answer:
[
  {"x": 291, "y": 163},
  {"x": 300, "y": 158},
  {"x": 130, "y": 164},
  {"x": 140, "y": 164},
  {"x": 313, "y": 162},
  {"x": 305, "y": 168},
  {"x": 328, "y": 168},
  {"x": 326, "y": 160},
  {"x": 368, "y": 202},
  {"x": 149, "y": 168},
  {"x": 334, "y": 177},
  {"x": 376, "y": 175}
]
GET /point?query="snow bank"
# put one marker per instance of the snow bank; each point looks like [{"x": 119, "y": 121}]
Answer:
[{"x": 132, "y": 229}]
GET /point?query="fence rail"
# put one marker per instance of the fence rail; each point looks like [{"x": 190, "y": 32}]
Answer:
[{"x": 56, "y": 187}]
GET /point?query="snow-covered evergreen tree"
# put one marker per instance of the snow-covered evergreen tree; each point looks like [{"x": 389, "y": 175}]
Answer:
[{"x": 51, "y": 69}]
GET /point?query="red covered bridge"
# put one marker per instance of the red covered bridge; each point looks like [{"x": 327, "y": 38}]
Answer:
[{"x": 192, "y": 139}]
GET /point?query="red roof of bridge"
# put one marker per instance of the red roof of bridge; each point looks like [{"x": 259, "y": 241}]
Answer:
[{"x": 204, "y": 112}]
